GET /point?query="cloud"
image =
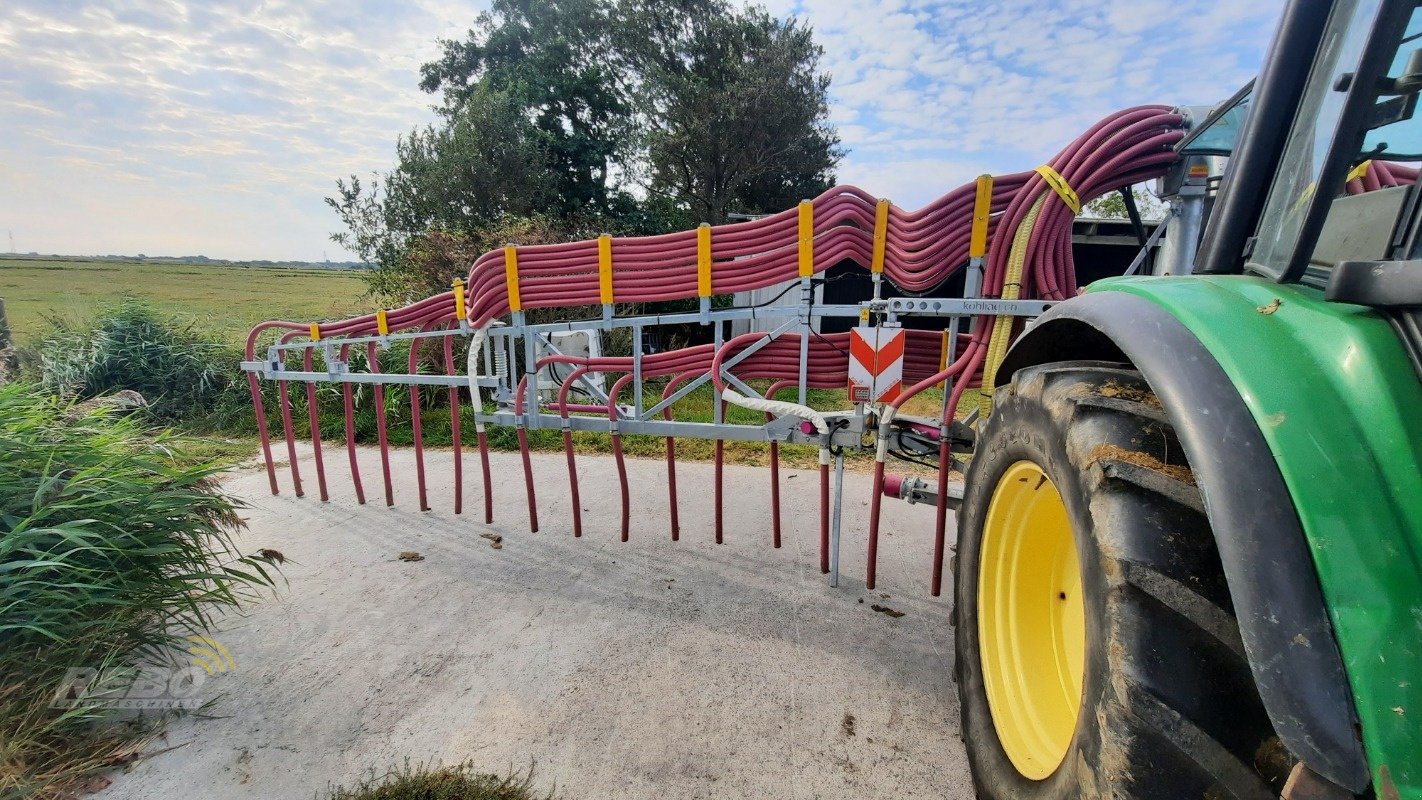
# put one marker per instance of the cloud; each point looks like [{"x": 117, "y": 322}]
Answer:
[
  {"x": 940, "y": 91},
  {"x": 171, "y": 126},
  {"x": 192, "y": 127}
]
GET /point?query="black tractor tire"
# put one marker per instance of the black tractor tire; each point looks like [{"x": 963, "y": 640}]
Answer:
[{"x": 1168, "y": 703}]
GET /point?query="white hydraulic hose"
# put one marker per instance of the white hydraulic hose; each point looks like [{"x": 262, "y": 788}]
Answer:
[
  {"x": 886, "y": 419},
  {"x": 777, "y": 407},
  {"x": 476, "y": 346}
]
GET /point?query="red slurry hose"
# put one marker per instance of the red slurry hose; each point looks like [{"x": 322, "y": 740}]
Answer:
[
  {"x": 349, "y": 404},
  {"x": 416, "y": 426},
  {"x": 483, "y": 442},
  {"x": 945, "y": 465},
  {"x": 263, "y": 432},
  {"x": 1371, "y": 181},
  {"x": 568, "y": 449},
  {"x": 285, "y": 404},
  {"x": 528, "y": 479},
  {"x": 770, "y": 393},
  {"x": 1373, "y": 175},
  {"x": 719, "y": 491},
  {"x": 287, "y": 432},
  {"x": 583, "y": 408},
  {"x": 564, "y": 408},
  {"x": 382, "y": 435},
  {"x": 670, "y": 389},
  {"x": 524, "y": 455},
  {"x": 940, "y": 520},
  {"x": 315, "y": 424},
  {"x": 481, "y": 437},
  {"x": 454, "y": 426},
  {"x": 617, "y": 453},
  {"x": 824, "y": 511}
]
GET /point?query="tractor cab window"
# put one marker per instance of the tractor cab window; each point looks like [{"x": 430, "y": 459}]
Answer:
[
  {"x": 1362, "y": 219},
  {"x": 1218, "y": 135},
  {"x": 1305, "y": 154},
  {"x": 1400, "y": 140},
  {"x": 1342, "y": 180}
]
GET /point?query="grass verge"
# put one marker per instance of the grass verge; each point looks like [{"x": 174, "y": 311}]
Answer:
[{"x": 114, "y": 546}]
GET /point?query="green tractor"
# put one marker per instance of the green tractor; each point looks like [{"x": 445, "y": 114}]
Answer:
[{"x": 1190, "y": 547}]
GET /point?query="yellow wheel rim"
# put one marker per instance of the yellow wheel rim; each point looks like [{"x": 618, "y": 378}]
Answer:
[{"x": 1031, "y": 620}]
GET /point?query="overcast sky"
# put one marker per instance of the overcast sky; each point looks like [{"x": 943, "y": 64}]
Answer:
[{"x": 216, "y": 128}]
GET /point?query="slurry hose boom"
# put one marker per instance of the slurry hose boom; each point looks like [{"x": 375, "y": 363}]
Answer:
[{"x": 1011, "y": 232}]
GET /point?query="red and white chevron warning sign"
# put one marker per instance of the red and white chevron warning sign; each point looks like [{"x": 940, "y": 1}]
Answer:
[{"x": 876, "y": 364}]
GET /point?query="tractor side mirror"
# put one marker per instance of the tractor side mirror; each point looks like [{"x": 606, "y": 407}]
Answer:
[
  {"x": 1410, "y": 81},
  {"x": 1401, "y": 93}
]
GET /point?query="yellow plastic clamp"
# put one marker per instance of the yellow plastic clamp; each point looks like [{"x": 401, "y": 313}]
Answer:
[
  {"x": 1358, "y": 171},
  {"x": 982, "y": 212},
  {"x": 881, "y": 232},
  {"x": 604, "y": 268},
  {"x": 458, "y": 286},
  {"x": 511, "y": 277},
  {"x": 703, "y": 260},
  {"x": 807, "y": 238},
  {"x": 1061, "y": 187},
  {"x": 382, "y": 324},
  {"x": 315, "y": 331}
]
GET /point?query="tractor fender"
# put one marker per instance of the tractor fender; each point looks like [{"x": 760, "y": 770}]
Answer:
[{"x": 1272, "y": 578}]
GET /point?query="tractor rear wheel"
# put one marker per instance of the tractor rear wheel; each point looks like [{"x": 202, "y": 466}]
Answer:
[{"x": 1097, "y": 651}]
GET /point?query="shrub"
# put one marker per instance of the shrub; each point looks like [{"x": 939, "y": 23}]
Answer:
[
  {"x": 181, "y": 373},
  {"x": 419, "y": 782},
  {"x": 112, "y": 548}
]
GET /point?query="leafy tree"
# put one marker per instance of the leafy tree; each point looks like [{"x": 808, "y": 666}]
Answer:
[
  {"x": 1112, "y": 205},
  {"x": 549, "y": 109},
  {"x": 736, "y": 106},
  {"x": 485, "y": 162},
  {"x": 554, "y": 60}
]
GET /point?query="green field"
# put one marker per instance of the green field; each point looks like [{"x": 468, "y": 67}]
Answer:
[{"x": 223, "y": 300}]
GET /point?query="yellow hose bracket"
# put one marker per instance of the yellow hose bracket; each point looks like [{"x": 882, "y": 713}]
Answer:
[
  {"x": 982, "y": 212},
  {"x": 881, "y": 232},
  {"x": 511, "y": 277},
  {"x": 382, "y": 323},
  {"x": 703, "y": 260},
  {"x": 1061, "y": 187},
  {"x": 457, "y": 285},
  {"x": 315, "y": 331},
  {"x": 1359, "y": 171},
  {"x": 604, "y": 268},
  {"x": 944, "y": 356},
  {"x": 807, "y": 238}
]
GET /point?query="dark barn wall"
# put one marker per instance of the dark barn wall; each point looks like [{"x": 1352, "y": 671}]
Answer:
[{"x": 1101, "y": 249}]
